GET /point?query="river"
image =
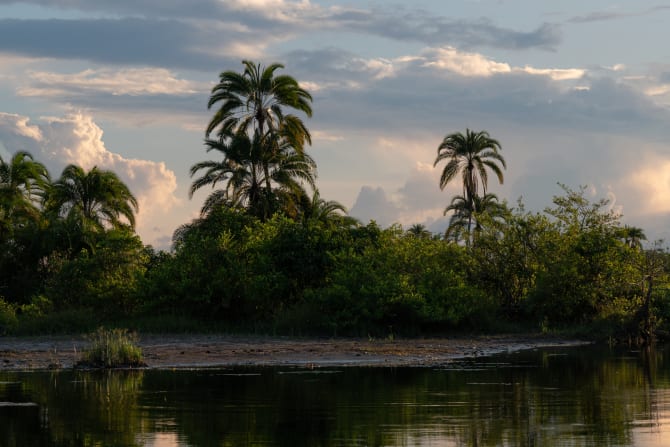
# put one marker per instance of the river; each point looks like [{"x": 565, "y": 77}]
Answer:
[{"x": 580, "y": 396}]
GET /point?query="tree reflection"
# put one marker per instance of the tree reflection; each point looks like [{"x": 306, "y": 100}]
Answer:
[{"x": 588, "y": 396}]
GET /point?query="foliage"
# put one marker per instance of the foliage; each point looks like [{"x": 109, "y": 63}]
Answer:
[
  {"x": 400, "y": 284},
  {"x": 112, "y": 348},
  {"x": 264, "y": 163},
  {"x": 105, "y": 279},
  {"x": 8, "y": 320},
  {"x": 268, "y": 253}
]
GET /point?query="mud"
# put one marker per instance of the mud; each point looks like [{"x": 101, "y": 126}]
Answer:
[{"x": 210, "y": 351}]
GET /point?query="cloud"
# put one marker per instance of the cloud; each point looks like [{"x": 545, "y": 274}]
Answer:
[
  {"x": 601, "y": 16},
  {"x": 418, "y": 200},
  {"x": 133, "y": 95},
  {"x": 209, "y": 34},
  {"x": 652, "y": 181},
  {"x": 372, "y": 203},
  {"x": 77, "y": 139},
  {"x": 129, "y": 82},
  {"x": 135, "y": 41},
  {"x": 462, "y": 63}
]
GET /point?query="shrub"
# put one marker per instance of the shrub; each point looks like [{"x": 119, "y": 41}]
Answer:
[
  {"x": 112, "y": 348},
  {"x": 8, "y": 319}
]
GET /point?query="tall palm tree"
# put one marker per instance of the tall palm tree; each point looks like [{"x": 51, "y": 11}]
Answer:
[
  {"x": 471, "y": 155},
  {"x": 22, "y": 183},
  {"x": 253, "y": 102},
  {"x": 95, "y": 200}
]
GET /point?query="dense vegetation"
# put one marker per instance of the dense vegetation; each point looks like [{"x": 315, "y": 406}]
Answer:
[{"x": 269, "y": 254}]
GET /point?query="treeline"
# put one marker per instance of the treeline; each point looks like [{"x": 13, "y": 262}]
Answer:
[
  {"x": 269, "y": 254},
  {"x": 573, "y": 266}
]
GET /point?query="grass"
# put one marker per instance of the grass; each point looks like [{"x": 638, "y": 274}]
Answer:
[{"x": 112, "y": 348}]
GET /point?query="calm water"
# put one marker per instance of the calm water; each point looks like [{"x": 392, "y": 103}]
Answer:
[{"x": 588, "y": 396}]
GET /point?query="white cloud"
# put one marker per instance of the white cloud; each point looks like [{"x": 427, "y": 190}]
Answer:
[
  {"x": 319, "y": 135},
  {"x": 15, "y": 129},
  {"x": 463, "y": 63},
  {"x": 77, "y": 139},
  {"x": 652, "y": 181},
  {"x": 556, "y": 74},
  {"x": 131, "y": 81}
]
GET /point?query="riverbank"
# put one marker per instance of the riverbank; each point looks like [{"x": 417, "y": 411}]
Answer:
[{"x": 209, "y": 351}]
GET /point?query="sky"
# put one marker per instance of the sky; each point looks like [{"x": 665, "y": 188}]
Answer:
[{"x": 576, "y": 92}]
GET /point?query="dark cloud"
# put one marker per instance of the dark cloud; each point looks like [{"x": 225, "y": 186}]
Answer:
[
  {"x": 129, "y": 41},
  {"x": 171, "y": 34},
  {"x": 601, "y": 16},
  {"x": 437, "y": 30},
  {"x": 419, "y": 97}
]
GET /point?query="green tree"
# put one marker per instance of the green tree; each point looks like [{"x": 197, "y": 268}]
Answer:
[
  {"x": 471, "y": 155},
  {"x": 465, "y": 212},
  {"x": 254, "y": 102},
  {"x": 418, "y": 231},
  {"x": 588, "y": 274},
  {"x": 326, "y": 212},
  {"x": 22, "y": 183},
  {"x": 91, "y": 202},
  {"x": 243, "y": 171},
  {"x": 633, "y": 236}
]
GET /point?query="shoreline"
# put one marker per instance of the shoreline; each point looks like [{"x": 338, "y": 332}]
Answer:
[{"x": 183, "y": 351}]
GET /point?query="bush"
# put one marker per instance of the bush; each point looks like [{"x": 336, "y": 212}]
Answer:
[
  {"x": 112, "y": 348},
  {"x": 8, "y": 320}
]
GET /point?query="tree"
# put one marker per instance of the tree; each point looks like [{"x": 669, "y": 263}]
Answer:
[
  {"x": 22, "y": 182},
  {"x": 633, "y": 236},
  {"x": 92, "y": 201},
  {"x": 326, "y": 212},
  {"x": 466, "y": 212},
  {"x": 253, "y": 102},
  {"x": 471, "y": 155},
  {"x": 245, "y": 168},
  {"x": 419, "y": 231}
]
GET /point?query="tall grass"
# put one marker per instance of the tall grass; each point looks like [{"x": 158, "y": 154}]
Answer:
[{"x": 112, "y": 348}]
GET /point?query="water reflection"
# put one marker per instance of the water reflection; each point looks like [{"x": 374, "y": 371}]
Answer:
[{"x": 571, "y": 397}]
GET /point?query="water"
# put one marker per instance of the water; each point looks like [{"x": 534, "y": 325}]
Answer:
[{"x": 587, "y": 396}]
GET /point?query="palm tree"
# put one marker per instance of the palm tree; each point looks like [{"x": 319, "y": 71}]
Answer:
[
  {"x": 470, "y": 154},
  {"x": 94, "y": 200},
  {"x": 419, "y": 231},
  {"x": 326, "y": 212},
  {"x": 466, "y": 212},
  {"x": 22, "y": 183},
  {"x": 633, "y": 236},
  {"x": 253, "y": 102},
  {"x": 245, "y": 168}
]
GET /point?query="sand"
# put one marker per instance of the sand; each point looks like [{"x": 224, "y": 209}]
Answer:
[{"x": 211, "y": 351}]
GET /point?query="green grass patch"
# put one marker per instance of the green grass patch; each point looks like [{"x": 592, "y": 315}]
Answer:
[{"x": 112, "y": 348}]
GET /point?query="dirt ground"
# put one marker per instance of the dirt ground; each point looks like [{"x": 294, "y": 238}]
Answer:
[{"x": 208, "y": 351}]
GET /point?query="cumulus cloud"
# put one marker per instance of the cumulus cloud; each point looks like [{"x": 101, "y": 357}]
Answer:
[
  {"x": 372, "y": 203},
  {"x": 77, "y": 139},
  {"x": 652, "y": 181},
  {"x": 418, "y": 200}
]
